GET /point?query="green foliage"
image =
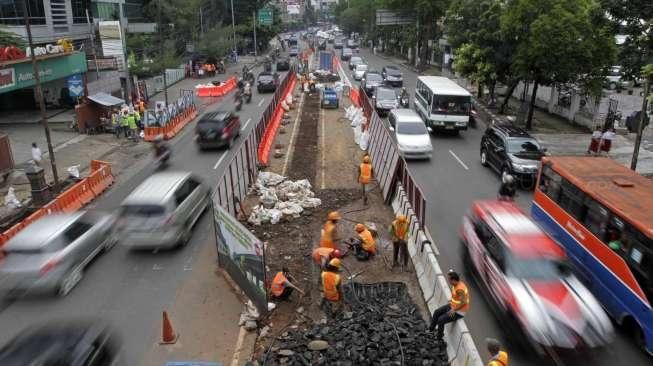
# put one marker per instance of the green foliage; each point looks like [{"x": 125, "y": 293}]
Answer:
[
  {"x": 475, "y": 63},
  {"x": 11, "y": 39}
]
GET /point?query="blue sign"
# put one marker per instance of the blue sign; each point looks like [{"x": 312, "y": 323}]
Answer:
[
  {"x": 75, "y": 85},
  {"x": 191, "y": 363}
]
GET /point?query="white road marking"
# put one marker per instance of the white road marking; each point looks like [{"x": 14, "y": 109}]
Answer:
[
  {"x": 246, "y": 123},
  {"x": 217, "y": 163},
  {"x": 323, "y": 133},
  {"x": 261, "y": 102},
  {"x": 292, "y": 136},
  {"x": 459, "y": 161},
  {"x": 157, "y": 267}
]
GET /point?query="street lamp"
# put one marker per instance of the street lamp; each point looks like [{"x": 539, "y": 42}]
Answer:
[{"x": 233, "y": 25}]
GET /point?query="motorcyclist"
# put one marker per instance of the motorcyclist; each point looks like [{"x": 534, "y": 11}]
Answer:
[
  {"x": 161, "y": 149},
  {"x": 247, "y": 89},
  {"x": 238, "y": 99},
  {"x": 240, "y": 84},
  {"x": 508, "y": 190},
  {"x": 403, "y": 97}
]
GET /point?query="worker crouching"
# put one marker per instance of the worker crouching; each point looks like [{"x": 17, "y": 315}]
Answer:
[
  {"x": 366, "y": 247},
  {"x": 282, "y": 287},
  {"x": 322, "y": 256}
]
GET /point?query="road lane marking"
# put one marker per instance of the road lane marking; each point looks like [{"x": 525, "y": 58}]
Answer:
[
  {"x": 217, "y": 163},
  {"x": 157, "y": 267},
  {"x": 239, "y": 346},
  {"x": 291, "y": 145},
  {"x": 457, "y": 158},
  {"x": 323, "y": 133},
  {"x": 246, "y": 123},
  {"x": 261, "y": 102}
]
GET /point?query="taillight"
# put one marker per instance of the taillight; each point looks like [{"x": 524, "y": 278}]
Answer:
[
  {"x": 48, "y": 266},
  {"x": 225, "y": 135}
]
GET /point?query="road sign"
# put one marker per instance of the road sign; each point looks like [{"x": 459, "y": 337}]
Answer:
[
  {"x": 75, "y": 85},
  {"x": 265, "y": 16}
]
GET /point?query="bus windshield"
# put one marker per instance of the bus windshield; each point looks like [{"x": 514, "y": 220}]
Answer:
[{"x": 451, "y": 104}]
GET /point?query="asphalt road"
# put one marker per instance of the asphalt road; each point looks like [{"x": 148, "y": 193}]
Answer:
[
  {"x": 129, "y": 289},
  {"x": 451, "y": 180}
]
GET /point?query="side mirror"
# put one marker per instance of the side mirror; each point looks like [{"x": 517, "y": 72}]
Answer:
[
  {"x": 392, "y": 129},
  {"x": 429, "y": 129},
  {"x": 499, "y": 149}
]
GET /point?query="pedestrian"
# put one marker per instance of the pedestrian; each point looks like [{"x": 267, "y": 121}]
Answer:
[
  {"x": 331, "y": 286},
  {"x": 365, "y": 175},
  {"x": 281, "y": 287},
  {"x": 399, "y": 233},
  {"x": 322, "y": 256},
  {"x": 595, "y": 142},
  {"x": 499, "y": 357},
  {"x": 329, "y": 237},
  {"x": 606, "y": 140},
  {"x": 455, "y": 309},
  {"x": 367, "y": 247},
  {"x": 37, "y": 155}
]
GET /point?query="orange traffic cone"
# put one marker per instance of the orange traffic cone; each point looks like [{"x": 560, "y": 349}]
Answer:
[{"x": 169, "y": 336}]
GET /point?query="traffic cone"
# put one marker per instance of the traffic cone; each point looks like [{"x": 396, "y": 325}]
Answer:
[{"x": 168, "y": 335}]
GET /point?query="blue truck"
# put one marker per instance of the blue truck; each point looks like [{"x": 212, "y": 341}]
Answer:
[{"x": 329, "y": 98}]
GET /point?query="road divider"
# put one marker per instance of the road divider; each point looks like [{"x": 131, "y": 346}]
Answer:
[
  {"x": 274, "y": 122},
  {"x": 70, "y": 200},
  {"x": 172, "y": 128},
  {"x": 216, "y": 90}
]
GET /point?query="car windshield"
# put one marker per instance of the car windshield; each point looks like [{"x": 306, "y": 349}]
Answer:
[
  {"x": 361, "y": 67},
  {"x": 411, "y": 128},
  {"x": 142, "y": 210},
  {"x": 538, "y": 268},
  {"x": 265, "y": 78},
  {"x": 385, "y": 94},
  {"x": 392, "y": 71},
  {"x": 523, "y": 145},
  {"x": 374, "y": 77},
  {"x": 451, "y": 104}
]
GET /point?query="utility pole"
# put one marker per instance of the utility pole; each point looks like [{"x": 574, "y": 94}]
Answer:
[
  {"x": 640, "y": 127},
  {"x": 255, "y": 44},
  {"x": 39, "y": 96},
  {"x": 92, "y": 32},
  {"x": 233, "y": 25},
  {"x": 128, "y": 84},
  {"x": 165, "y": 71}
]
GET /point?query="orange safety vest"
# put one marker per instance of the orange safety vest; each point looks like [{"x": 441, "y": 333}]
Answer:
[
  {"x": 368, "y": 241},
  {"x": 320, "y": 252},
  {"x": 399, "y": 230},
  {"x": 457, "y": 300},
  {"x": 365, "y": 173},
  {"x": 278, "y": 284},
  {"x": 326, "y": 240},
  {"x": 330, "y": 282},
  {"x": 500, "y": 359}
]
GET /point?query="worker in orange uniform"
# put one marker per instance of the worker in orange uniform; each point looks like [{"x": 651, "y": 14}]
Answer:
[
  {"x": 331, "y": 286},
  {"x": 499, "y": 357},
  {"x": 367, "y": 247},
  {"x": 455, "y": 309},
  {"x": 281, "y": 287},
  {"x": 329, "y": 236},
  {"x": 365, "y": 175},
  {"x": 399, "y": 233},
  {"x": 322, "y": 256},
  {"x": 141, "y": 106}
]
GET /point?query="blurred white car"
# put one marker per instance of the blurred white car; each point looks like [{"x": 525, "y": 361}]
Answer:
[
  {"x": 413, "y": 138},
  {"x": 359, "y": 71}
]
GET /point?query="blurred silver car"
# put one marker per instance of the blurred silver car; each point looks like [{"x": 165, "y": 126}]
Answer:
[
  {"x": 161, "y": 212},
  {"x": 413, "y": 138},
  {"x": 50, "y": 254}
]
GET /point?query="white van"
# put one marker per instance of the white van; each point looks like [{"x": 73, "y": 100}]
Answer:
[{"x": 443, "y": 104}]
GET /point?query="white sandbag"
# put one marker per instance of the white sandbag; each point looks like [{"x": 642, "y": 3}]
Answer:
[
  {"x": 290, "y": 208},
  {"x": 364, "y": 141},
  {"x": 275, "y": 215},
  {"x": 268, "y": 198},
  {"x": 73, "y": 171},
  {"x": 269, "y": 179},
  {"x": 310, "y": 202},
  {"x": 258, "y": 216},
  {"x": 284, "y": 106},
  {"x": 289, "y": 99},
  {"x": 11, "y": 200}
]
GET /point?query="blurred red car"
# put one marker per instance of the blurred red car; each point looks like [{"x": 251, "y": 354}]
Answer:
[{"x": 525, "y": 274}]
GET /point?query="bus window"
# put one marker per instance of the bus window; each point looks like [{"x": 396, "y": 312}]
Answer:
[
  {"x": 550, "y": 183},
  {"x": 596, "y": 219},
  {"x": 451, "y": 104},
  {"x": 571, "y": 200}
]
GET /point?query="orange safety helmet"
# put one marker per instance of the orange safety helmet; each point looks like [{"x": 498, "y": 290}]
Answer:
[
  {"x": 401, "y": 218},
  {"x": 366, "y": 159},
  {"x": 335, "y": 254},
  {"x": 360, "y": 228},
  {"x": 334, "y": 215},
  {"x": 335, "y": 263}
]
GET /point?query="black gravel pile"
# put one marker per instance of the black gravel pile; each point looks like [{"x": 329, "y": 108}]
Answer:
[{"x": 379, "y": 326}]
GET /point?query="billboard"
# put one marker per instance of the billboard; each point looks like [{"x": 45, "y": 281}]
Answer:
[
  {"x": 111, "y": 39},
  {"x": 241, "y": 254},
  {"x": 387, "y": 17}
]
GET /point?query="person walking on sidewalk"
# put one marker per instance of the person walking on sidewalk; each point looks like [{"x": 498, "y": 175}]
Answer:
[
  {"x": 606, "y": 140},
  {"x": 399, "y": 233},
  {"x": 37, "y": 155},
  {"x": 329, "y": 237},
  {"x": 331, "y": 286},
  {"x": 322, "y": 256},
  {"x": 499, "y": 357},
  {"x": 367, "y": 247},
  {"x": 595, "y": 142},
  {"x": 365, "y": 175},
  {"x": 455, "y": 309},
  {"x": 281, "y": 287}
]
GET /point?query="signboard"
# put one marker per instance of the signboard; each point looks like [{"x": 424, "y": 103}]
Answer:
[
  {"x": 111, "y": 39},
  {"x": 242, "y": 255},
  {"x": 265, "y": 16},
  {"x": 387, "y": 17},
  {"x": 75, "y": 85},
  {"x": 20, "y": 76}
]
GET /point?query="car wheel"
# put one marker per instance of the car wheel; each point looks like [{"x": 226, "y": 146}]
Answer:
[
  {"x": 484, "y": 157},
  {"x": 111, "y": 242},
  {"x": 70, "y": 280}
]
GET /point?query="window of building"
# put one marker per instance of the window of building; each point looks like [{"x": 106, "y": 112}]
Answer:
[
  {"x": 11, "y": 12},
  {"x": 79, "y": 10}
]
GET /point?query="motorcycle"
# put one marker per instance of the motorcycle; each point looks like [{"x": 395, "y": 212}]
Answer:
[
  {"x": 404, "y": 101},
  {"x": 239, "y": 102},
  {"x": 248, "y": 96}
]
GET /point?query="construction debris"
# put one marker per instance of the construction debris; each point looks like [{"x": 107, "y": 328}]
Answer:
[{"x": 281, "y": 199}]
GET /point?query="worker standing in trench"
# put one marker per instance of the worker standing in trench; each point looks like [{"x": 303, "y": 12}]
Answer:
[
  {"x": 329, "y": 235},
  {"x": 399, "y": 233},
  {"x": 332, "y": 287},
  {"x": 365, "y": 175}
]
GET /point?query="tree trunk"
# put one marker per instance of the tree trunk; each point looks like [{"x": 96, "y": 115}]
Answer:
[
  {"x": 531, "y": 107},
  {"x": 492, "y": 86},
  {"x": 479, "y": 91},
  {"x": 504, "y": 104}
]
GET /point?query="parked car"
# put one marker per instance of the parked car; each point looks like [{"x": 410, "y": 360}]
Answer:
[
  {"x": 359, "y": 71},
  {"x": 161, "y": 211},
  {"x": 355, "y": 61},
  {"x": 385, "y": 100},
  {"x": 351, "y": 43},
  {"x": 51, "y": 254},
  {"x": 265, "y": 82},
  {"x": 413, "y": 138},
  {"x": 346, "y": 54},
  {"x": 511, "y": 150},
  {"x": 371, "y": 80},
  {"x": 329, "y": 98},
  {"x": 70, "y": 343},
  {"x": 615, "y": 79},
  {"x": 283, "y": 64},
  {"x": 293, "y": 51},
  {"x": 392, "y": 76},
  {"x": 217, "y": 129},
  {"x": 527, "y": 276},
  {"x": 338, "y": 44}
]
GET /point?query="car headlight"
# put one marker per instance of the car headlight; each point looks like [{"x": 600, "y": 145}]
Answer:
[
  {"x": 438, "y": 123},
  {"x": 523, "y": 168}
]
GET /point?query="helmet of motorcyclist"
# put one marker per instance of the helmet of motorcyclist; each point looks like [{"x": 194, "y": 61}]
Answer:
[{"x": 508, "y": 179}]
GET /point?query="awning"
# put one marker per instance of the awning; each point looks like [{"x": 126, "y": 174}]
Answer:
[{"x": 106, "y": 100}]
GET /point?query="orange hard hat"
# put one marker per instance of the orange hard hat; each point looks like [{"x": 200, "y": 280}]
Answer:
[
  {"x": 334, "y": 215},
  {"x": 335, "y": 263},
  {"x": 360, "y": 228},
  {"x": 336, "y": 253},
  {"x": 401, "y": 218},
  {"x": 366, "y": 159}
]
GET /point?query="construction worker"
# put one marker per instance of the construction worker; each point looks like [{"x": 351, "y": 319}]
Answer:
[
  {"x": 115, "y": 122},
  {"x": 329, "y": 237},
  {"x": 281, "y": 287},
  {"x": 365, "y": 175},
  {"x": 399, "y": 233},
  {"x": 455, "y": 309},
  {"x": 331, "y": 286},
  {"x": 367, "y": 248},
  {"x": 131, "y": 123},
  {"x": 322, "y": 255},
  {"x": 141, "y": 106},
  {"x": 124, "y": 124},
  {"x": 499, "y": 357},
  {"x": 137, "y": 117}
]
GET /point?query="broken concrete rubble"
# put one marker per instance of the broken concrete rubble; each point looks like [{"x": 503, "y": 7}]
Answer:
[{"x": 280, "y": 198}]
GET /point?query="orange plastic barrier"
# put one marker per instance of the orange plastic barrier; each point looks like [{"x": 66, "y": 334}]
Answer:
[
  {"x": 217, "y": 90},
  {"x": 71, "y": 199},
  {"x": 172, "y": 128},
  {"x": 265, "y": 145},
  {"x": 355, "y": 97}
]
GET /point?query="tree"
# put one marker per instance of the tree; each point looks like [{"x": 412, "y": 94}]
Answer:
[
  {"x": 557, "y": 42},
  {"x": 11, "y": 39},
  {"x": 473, "y": 62}
]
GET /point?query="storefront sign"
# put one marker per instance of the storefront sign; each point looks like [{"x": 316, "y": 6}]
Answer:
[
  {"x": 75, "y": 85},
  {"x": 21, "y": 75}
]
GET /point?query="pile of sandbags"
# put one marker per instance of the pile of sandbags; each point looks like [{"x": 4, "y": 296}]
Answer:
[
  {"x": 358, "y": 120},
  {"x": 280, "y": 198}
]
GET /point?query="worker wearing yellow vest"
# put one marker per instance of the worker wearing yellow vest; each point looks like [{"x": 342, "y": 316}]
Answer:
[
  {"x": 399, "y": 233},
  {"x": 499, "y": 357},
  {"x": 281, "y": 287},
  {"x": 455, "y": 309},
  {"x": 367, "y": 247},
  {"x": 328, "y": 237},
  {"x": 124, "y": 122},
  {"x": 365, "y": 175},
  {"x": 322, "y": 256}
]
